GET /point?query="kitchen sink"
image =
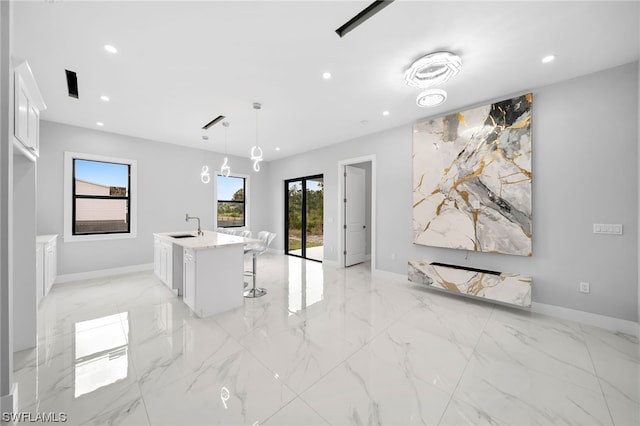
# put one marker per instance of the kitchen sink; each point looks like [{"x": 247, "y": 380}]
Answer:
[{"x": 183, "y": 236}]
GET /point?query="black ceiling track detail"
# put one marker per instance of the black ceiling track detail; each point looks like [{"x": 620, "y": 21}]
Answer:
[
  {"x": 72, "y": 83},
  {"x": 361, "y": 17},
  {"x": 214, "y": 121}
]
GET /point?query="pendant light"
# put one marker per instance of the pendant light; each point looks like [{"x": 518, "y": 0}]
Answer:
[
  {"x": 256, "y": 151},
  {"x": 204, "y": 175},
  {"x": 225, "y": 170}
]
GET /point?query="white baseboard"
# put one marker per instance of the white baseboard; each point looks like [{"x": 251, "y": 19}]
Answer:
[
  {"x": 602, "y": 321},
  {"x": 332, "y": 263},
  {"x": 102, "y": 273}
]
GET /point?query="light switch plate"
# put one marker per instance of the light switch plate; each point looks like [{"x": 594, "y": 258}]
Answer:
[{"x": 607, "y": 228}]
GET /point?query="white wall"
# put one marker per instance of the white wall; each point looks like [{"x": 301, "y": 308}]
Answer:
[
  {"x": 6, "y": 188},
  {"x": 168, "y": 187},
  {"x": 585, "y": 165}
]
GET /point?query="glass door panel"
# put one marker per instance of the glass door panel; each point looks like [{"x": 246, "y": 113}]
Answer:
[
  {"x": 294, "y": 217},
  {"x": 304, "y": 200},
  {"x": 314, "y": 215}
]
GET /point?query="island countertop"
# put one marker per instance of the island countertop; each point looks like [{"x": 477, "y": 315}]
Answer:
[{"x": 210, "y": 239}]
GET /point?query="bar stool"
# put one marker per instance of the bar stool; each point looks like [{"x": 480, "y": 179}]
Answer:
[{"x": 255, "y": 250}]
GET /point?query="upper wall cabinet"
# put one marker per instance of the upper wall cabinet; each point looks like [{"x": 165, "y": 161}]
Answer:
[{"x": 28, "y": 104}]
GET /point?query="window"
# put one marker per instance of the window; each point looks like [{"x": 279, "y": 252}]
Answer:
[
  {"x": 232, "y": 201},
  {"x": 99, "y": 197}
]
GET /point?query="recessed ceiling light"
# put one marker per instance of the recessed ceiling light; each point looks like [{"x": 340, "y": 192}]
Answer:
[
  {"x": 326, "y": 75},
  {"x": 104, "y": 98},
  {"x": 431, "y": 98},
  {"x": 110, "y": 48},
  {"x": 385, "y": 113},
  {"x": 548, "y": 58},
  {"x": 99, "y": 123},
  {"x": 277, "y": 148},
  {"x": 433, "y": 69},
  {"x": 205, "y": 138}
]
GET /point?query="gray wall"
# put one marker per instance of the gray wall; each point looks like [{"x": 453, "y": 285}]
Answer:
[
  {"x": 168, "y": 187},
  {"x": 585, "y": 166}
]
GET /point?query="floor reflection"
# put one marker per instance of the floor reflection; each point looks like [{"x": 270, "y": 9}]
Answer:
[
  {"x": 101, "y": 352},
  {"x": 306, "y": 284}
]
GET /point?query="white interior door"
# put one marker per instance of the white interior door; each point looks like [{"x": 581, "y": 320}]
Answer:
[{"x": 354, "y": 207}]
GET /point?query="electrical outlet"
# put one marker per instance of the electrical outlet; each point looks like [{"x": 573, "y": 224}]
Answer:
[
  {"x": 584, "y": 287},
  {"x": 608, "y": 228}
]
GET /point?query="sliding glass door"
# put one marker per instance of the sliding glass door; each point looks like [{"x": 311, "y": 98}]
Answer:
[{"x": 304, "y": 198}]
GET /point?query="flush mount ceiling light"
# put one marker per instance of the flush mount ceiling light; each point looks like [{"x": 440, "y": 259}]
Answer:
[
  {"x": 110, "y": 48},
  {"x": 433, "y": 69},
  {"x": 104, "y": 98},
  {"x": 430, "y": 98},
  {"x": 326, "y": 75},
  {"x": 548, "y": 58}
]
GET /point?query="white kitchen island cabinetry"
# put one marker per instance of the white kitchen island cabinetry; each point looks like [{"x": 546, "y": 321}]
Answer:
[
  {"x": 47, "y": 267},
  {"x": 163, "y": 261},
  {"x": 212, "y": 270}
]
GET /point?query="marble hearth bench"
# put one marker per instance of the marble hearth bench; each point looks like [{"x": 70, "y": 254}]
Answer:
[{"x": 511, "y": 289}]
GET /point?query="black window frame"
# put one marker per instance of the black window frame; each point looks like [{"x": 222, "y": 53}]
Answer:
[
  {"x": 75, "y": 196},
  {"x": 243, "y": 202}
]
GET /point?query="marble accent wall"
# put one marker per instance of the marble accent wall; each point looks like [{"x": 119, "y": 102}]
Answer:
[
  {"x": 513, "y": 289},
  {"x": 472, "y": 179}
]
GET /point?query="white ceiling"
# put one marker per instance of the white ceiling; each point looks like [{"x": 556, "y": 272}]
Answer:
[{"x": 180, "y": 64}]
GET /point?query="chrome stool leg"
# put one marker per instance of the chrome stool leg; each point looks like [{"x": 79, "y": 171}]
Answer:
[{"x": 255, "y": 292}]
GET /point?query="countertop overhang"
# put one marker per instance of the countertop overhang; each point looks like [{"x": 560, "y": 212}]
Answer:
[{"x": 210, "y": 239}]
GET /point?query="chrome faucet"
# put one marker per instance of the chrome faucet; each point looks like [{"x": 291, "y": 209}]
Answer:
[{"x": 187, "y": 218}]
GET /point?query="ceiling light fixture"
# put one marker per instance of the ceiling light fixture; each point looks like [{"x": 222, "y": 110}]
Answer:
[
  {"x": 433, "y": 70},
  {"x": 256, "y": 151},
  {"x": 99, "y": 123},
  {"x": 104, "y": 98},
  {"x": 326, "y": 75},
  {"x": 277, "y": 148},
  {"x": 110, "y": 48},
  {"x": 548, "y": 58},
  {"x": 385, "y": 113},
  {"x": 430, "y": 98},
  {"x": 225, "y": 170}
]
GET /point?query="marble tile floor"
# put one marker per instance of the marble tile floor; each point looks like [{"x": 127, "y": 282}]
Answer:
[{"x": 324, "y": 346}]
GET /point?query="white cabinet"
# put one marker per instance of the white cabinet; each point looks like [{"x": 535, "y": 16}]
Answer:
[
  {"x": 46, "y": 263},
  {"x": 28, "y": 103},
  {"x": 189, "y": 278},
  {"x": 39, "y": 272},
  {"x": 163, "y": 261},
  {"x": 213, "y": 279},
  {"x": 50, "y": 265}
]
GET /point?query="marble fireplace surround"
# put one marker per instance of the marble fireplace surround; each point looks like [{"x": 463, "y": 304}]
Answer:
[{"x": 505, "y": 288}]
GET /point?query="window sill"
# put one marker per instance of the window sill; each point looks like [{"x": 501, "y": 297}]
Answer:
[{"x": 106, "y": 237}]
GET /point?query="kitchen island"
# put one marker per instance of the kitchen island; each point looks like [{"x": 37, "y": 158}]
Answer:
[{"x": 206, "y": 270}]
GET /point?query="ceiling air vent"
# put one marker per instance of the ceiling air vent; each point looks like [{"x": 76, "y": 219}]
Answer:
[
  {"x": 212, "y": 122},
  {"x": 72, "y": 83},
  {"x": 361, "y": 17}
]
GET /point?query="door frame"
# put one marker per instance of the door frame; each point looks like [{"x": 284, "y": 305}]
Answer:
[
  {"x": 303, "y": 241},
  {"x": 340, "y": 212}
]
